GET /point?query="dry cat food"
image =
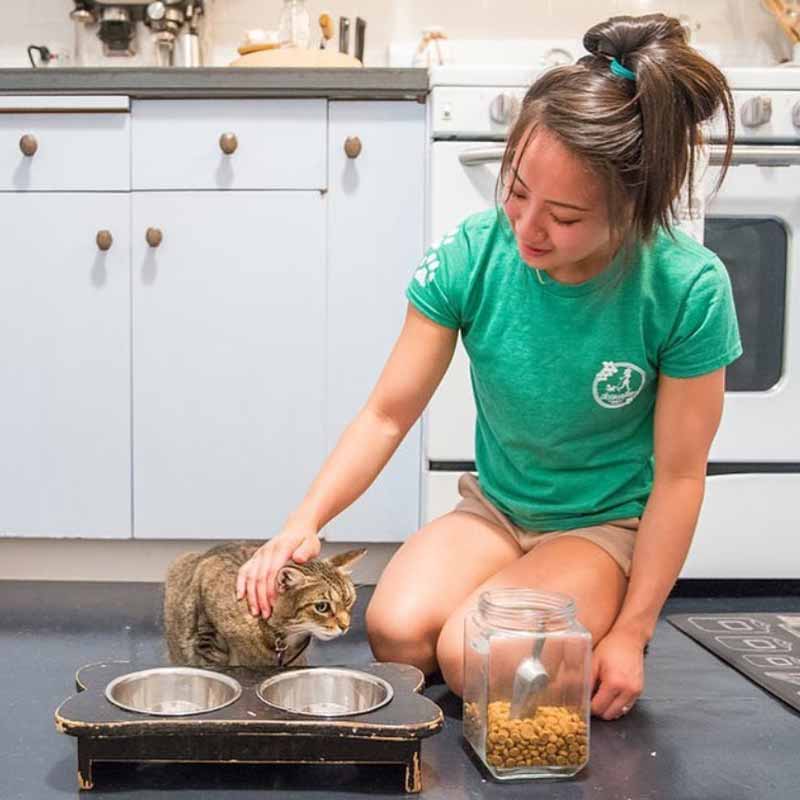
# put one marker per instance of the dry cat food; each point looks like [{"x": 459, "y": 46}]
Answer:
[{"x": 554, "y": 737}]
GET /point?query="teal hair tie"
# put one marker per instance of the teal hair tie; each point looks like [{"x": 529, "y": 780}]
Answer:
[{"x": 622, "y": 72}]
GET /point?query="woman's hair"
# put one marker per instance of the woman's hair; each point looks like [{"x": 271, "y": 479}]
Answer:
[{"x": 639, "y": 137}]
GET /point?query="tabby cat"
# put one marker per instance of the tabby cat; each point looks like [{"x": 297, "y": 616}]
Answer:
[{"x": 205, "y": 625}]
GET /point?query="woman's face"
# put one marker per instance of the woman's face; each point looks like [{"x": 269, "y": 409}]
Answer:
[{"x": 557, "y": 210}]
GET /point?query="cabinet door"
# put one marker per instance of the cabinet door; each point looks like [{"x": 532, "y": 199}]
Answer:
[
  {"x": 228, "y": 370},
  {"x": 376, "y": 239},
  {"x": 64, "y": 366}
]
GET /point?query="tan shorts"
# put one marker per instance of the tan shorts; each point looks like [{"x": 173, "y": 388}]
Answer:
[{"x": 616, "y": 537}]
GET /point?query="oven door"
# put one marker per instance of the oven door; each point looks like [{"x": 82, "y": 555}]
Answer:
[
  {"x": 748, "y": 524},
  {"x": 753, "y": 225}
]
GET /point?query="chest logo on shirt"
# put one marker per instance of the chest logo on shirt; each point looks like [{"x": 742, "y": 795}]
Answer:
[{"x": 617, "y": 384}]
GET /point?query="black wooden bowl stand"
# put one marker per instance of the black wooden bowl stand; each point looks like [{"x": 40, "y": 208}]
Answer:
[{"x": 248, "y": 730}]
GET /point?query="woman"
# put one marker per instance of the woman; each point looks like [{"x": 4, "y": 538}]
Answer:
[{"x": 598, "y": 340}]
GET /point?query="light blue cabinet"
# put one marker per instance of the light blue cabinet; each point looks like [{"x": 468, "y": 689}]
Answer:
[
  {"x": 189, "y": 381},
  {"x": 228, "y": 360},
  {"x": 65, "y": 365},
  {"x": 376, "y": 213}
]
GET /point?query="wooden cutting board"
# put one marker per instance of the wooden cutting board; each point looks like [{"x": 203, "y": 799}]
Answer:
[{"x": 296, "y": 57}]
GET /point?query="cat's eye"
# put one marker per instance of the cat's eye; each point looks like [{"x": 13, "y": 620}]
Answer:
[{"x": 322, "y": 608}]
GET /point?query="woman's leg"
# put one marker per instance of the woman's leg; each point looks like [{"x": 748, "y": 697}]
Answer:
[
  {"x": 568, "y": 564},
  {"x": 427, "y": 579}
]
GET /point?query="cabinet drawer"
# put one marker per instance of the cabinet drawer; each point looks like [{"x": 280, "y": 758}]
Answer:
[
  {"x": 67, "y": 152},
  {"x": 229, "y": 144}
]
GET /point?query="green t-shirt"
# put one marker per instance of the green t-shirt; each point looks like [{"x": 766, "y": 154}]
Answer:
[{"x": 564, "y": 375}]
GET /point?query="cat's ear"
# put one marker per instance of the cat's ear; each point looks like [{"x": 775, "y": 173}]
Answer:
[
  {"x": 290, "y": 577},
  {"x": 346, "y": 561}
]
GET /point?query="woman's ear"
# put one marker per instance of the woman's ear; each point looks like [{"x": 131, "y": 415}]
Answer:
[
  {"x": 290, "y": 577},
  {"x": 346, "y": 561}
]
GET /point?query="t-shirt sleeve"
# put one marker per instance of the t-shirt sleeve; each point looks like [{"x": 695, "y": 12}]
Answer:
[
  {"x": 705, "y": 336},
  {"x": 437, "y": 286}
]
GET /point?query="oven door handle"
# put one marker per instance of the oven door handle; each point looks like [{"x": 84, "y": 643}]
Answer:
[
  {"x": 476, "y": 156},
  {"x": 771, "y": 155},
  {"x": 761, "y": 155}
]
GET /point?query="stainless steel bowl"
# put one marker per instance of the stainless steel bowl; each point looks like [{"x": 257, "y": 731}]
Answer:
[
  {"x": 325, "y": 692},
  {"x": 173, "y": 691}
]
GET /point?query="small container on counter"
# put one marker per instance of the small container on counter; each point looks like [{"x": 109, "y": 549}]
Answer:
[{"x": 527, "y": 694}]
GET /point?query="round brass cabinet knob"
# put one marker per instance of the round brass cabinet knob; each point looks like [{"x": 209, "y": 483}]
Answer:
[
  {"x": 104, "y": 240},
  {"x": 228, "y": 143},
  {"x": 154, "y": 237},
  {"x": 352, "y": 146},
  {"x": 28, "y": 144}
]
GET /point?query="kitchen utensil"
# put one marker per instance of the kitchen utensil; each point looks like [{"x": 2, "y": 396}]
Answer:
[
  {"x": 785, "y": 17},
  {"x": 361, "y": 27},
  {"x": 344, "y": 34},
  {"x": 326, "y": 29},
  {"x": 530, "y": 678},
  {"x": 430, "y": 51}
]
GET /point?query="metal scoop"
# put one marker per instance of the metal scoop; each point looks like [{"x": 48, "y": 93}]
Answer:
[{"x": 530, "y": 678}]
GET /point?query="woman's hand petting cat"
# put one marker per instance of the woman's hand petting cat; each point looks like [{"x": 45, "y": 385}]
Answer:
[{"x": 256, "y": 577}]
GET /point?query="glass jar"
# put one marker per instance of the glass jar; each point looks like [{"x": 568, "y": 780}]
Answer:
[
  {"x": 294, "y": 27},
  {"x": 527, "y": 693}
]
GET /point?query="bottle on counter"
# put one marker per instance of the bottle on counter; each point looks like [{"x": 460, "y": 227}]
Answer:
[
  {"x": 294, "y": 28},
  {"x": 527, "y": 698}
]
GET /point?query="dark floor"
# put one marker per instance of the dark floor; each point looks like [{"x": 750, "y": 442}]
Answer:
[{"x": 701, "y": 730}]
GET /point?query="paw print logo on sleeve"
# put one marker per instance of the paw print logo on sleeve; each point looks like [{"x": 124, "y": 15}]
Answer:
[{"x": 426, "y": 271}]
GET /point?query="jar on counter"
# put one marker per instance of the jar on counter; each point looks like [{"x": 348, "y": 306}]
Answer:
[
  {"x": 527, "y": 693},
  {"x": 294, "y": 26}
]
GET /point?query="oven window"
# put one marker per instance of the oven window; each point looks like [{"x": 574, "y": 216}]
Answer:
[{"x": 754, "y": 251}]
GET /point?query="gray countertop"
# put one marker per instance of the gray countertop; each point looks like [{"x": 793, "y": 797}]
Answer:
[{"x": 338, "y": 84}]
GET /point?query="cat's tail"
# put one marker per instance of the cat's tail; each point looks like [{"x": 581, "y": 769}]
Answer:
[{"x": 180, "y": 607}]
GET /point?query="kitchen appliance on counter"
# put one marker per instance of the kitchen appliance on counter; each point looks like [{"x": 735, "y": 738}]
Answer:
[
  {"x": 161, "y": 33},
  {"x": 747, "y": 527}
]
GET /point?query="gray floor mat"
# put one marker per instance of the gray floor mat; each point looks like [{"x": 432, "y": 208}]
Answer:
[{"x": 764, "y": 647}]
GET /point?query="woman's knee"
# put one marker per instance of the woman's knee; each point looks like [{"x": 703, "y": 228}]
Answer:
[
  {"x": 397, "y": 634},
  {"x": 450, "y": 653}
]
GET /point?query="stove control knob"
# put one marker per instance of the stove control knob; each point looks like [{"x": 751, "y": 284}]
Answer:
[
  {"x": 504, "y": 108},
  {"x": 756, "y": 111},
  {"x": 796, "y": 115}
]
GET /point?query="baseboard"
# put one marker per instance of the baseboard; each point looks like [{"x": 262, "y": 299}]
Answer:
[{"x": 132, "y": 560}]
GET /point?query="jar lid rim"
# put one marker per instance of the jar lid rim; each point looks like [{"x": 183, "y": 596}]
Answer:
[{"x": 532, "y": 604}]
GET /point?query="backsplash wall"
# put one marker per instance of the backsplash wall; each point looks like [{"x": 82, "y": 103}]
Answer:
[{"x": 742, "y": 30}]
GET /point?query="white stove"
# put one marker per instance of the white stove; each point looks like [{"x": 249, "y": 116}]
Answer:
[{"x": 753, "y": 224}]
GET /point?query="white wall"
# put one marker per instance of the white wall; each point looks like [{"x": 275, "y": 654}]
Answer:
[{"x": 743, "y": 29}]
